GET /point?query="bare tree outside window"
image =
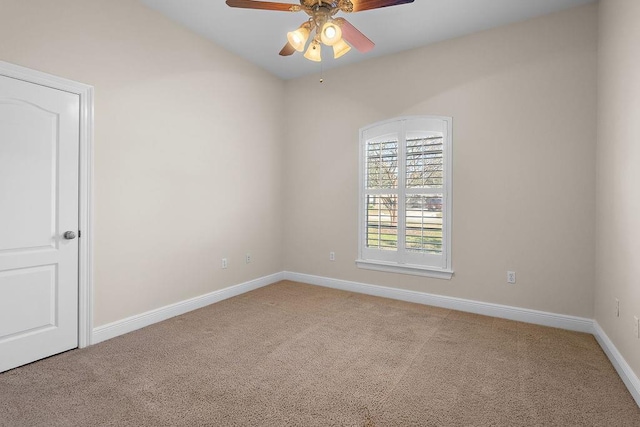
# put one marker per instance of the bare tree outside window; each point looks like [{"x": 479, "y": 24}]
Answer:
[{"x": 424, "y": 169}]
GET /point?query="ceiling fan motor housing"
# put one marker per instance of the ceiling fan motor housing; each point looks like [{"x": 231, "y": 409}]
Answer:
[{"x": 343, "y": 5}]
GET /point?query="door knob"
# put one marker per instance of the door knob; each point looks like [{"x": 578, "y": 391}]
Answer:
[{"x": 69, "y": 235}]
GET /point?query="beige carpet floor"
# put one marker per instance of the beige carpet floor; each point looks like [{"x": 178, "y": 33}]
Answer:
[{"x": 298, "y": 355}]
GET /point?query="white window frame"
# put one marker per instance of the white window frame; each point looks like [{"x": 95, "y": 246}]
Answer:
[{"x": 437, "y": 266}]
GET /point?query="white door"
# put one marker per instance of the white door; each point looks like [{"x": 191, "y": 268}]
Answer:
[{"x": 39, "y": 163}]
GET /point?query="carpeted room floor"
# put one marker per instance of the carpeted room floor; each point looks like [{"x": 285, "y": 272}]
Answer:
[{"x": 291, "y": 354}]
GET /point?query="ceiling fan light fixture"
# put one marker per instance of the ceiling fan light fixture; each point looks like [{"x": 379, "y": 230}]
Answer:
[
  {"x": 298, "y": 38},
  {"x": 314, "y": 52},
  {"x": 331, "y": 33},
  {"x": 328, "y": 30},
  {"x": 340, "y": 49}
]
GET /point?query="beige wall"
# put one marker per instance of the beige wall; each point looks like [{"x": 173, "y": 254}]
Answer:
[
  {"x": 187, "y": 148},
  {"x": 523, "y": 101},
  {"x": 618, "y": 190}
]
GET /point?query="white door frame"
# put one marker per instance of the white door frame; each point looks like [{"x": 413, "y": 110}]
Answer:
[{"x": 85, "y": 242}]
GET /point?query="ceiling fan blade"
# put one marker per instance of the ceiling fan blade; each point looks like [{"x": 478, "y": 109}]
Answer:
[
  {"x": 360, "y": 5},
  {"x": 355, "y": 38},
  {"x": 264, "y": 5},
  {"x": 287, "y": 50}
]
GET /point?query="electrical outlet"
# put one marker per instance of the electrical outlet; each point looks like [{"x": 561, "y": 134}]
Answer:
[
  {"x": 247, "y": 258},
  {"x": 511, "y": 277},
  {"x": 225, "y": 263},
  {"x": 636, "y": 326},
  {"x": 617, "y": 307},
  {"x": 332, "y": 256}
]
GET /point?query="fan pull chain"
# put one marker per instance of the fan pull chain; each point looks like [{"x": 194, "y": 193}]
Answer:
[{"x": 321, "y": 68}]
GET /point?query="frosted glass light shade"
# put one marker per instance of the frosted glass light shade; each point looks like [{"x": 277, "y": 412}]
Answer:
[
  {"x": 340, "y": 49},
  {"x": 331, "y": 34},
  {"x": 314, "y": 52},
  {"x": 298, "y": 38}
]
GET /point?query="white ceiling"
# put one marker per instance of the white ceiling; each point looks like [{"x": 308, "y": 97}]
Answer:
[{"x": 258, "y": 35}]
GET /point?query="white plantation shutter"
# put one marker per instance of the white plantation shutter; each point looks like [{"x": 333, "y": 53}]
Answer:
[{"x": 405, "y": 196}]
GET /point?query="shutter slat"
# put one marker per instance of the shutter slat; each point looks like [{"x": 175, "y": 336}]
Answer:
[{"x": 424, "y": 162}]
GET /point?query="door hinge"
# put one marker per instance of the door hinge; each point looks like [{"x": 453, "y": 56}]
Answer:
[{"x": 79, "y": 234}]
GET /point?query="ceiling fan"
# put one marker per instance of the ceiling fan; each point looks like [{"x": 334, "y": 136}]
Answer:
[{"x": 335, "y": 32}]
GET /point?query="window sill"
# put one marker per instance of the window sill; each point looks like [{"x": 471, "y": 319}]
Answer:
[{"x": 415, "y": 270}]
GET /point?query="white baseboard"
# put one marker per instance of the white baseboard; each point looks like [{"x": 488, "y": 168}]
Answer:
[
  {"x": 572, "y": 323},
  {"x": 627, "y": 375},
  {"x": 120, "y": 327}
]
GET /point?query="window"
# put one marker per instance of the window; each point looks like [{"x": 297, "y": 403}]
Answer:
[{"x": 405, "y": 196}]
